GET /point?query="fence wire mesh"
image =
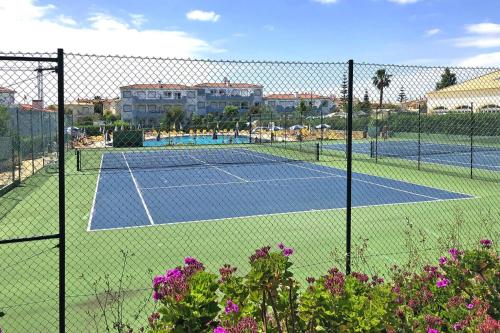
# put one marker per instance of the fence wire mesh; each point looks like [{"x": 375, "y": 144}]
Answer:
[{"x": 168, "y": 158}]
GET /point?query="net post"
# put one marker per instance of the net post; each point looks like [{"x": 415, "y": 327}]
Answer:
[
  {"x": 78, "y": 160},
  {"x": 471, "y": 140},
  {"x": 419, "y": 135},
  {"x": 317, "y": 151},
  {"x": 32, "y": 144},
  {"x": 376, "y": 135},
  {"x": 349, "y": 168},
  {"x": 62, "y": 193},
  {"x": 18, "y": 145}
]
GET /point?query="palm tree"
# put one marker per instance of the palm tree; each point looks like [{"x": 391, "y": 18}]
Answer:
[{"x": 381, "y": 80}]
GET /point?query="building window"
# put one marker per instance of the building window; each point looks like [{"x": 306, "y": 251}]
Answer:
[
  {"x": 127, "y": 94},
  {"x": 191, "y": 94},
  {"x": 222, "y": 105},
  {"x": 177, "y": 95},
  {"x": 167, "y": 94},
  {"x": 257, "y": 92},
  {"x": 141, "y": 108},
  {"x": 222, "y": 92},
  {"x": 85, "y": 109},
  {"x": 271, "y": 103},
  {"x": 190, "y": 108},
  {"x": 213, "y": 91},
  {"x": 244, "y": 105},
  {"x": 152, "y": 108},
  {"x": 141, "y": 94},
  {"x": 213, "y": 105},
  {"x": 127, "y": 108},
  {"x": 151, "y": 94},
  {"x": 201, "y": 105}
]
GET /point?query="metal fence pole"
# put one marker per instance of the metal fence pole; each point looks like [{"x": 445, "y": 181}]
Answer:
[
  {"x": 32, "y": 144},
  {"x": 471, "y": 140},
  {"x": 18, "y": 137},
  {"x": 376, "y": 135},
  {"x": 62, "y": 199},
  {"x": 349, "y": 168},
  {"x": 419, "y": 135}
]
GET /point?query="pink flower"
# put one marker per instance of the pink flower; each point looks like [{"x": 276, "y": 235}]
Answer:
[
  {"x": 281, "y": 246},
  {"x": 458, "y": 326},
  {"x": 455, "y": 253},
  {"x": 443, "y": 282},
  {"x": 220, "y": 330},
  {"x": 470, "y": 306},
  {"x": 432, "y": 330},
  {"x": 443, "y": 260},
  {"x": 486, "y": 243},
  {"x": 231, "y": 307},
  {"x": 288, "y": 251}
]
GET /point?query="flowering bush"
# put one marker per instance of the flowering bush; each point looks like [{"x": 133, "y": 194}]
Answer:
[{"x": 459, "y": 294}]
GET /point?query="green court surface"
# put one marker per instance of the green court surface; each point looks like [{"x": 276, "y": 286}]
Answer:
[{"x": 29, "y": 271}]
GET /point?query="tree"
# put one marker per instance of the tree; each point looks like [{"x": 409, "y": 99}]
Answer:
[
  {"x": 402, "y": 95},
  {"x": 98, "y": 105},
  {"x": 447, "y": 79},
  {"x": 4, "y": 121},
  {"x": 344, "y": 92},
  {"x": 365, "y": 105},
  {"x": 381, "y": 80},
  {"x": 173, "y": 116},
  {"x": 231, "y": 112}
]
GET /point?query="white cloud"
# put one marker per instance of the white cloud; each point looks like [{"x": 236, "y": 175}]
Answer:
[
  {"x": 483, "y": 28},
  {"x": 404, "y": 2},
  {"x": 326, "y": 2},
  {"x": 66, "y": 20},
  {"x": 481, "y": 43},
  {"x": 138, "y": 20},
  {"x": 433, "y": 32},
  {"x": 39, "y": 29},
  {"x": 200, "y": 15},
  {"x": 483, "y": 60},
  {"x": 268, "y": 27}
]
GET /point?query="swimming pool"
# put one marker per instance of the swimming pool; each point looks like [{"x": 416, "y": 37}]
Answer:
[{"x": 192, "y": 139}]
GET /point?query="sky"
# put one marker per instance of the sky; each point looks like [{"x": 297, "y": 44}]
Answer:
[{"x": 422, "y": 32}]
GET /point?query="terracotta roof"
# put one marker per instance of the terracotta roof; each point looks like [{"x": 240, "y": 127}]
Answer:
[
  {"x": 156, "y": 86},
  {"x": 27, "y": 107},
  {"x": 485, "y": 82},
  {"x": 296, "y": 96},
  {"x": 6, "y": 90},
  {"x": 226, "y": 85}
]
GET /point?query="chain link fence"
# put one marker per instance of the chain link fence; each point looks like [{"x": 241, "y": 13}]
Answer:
[{"x": 168, "y": 158}]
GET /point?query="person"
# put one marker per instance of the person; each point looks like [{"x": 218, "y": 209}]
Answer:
[
  {"x": 385, "y": 131},
  {"x": 214, "y": 136},
  {"x": 230, "y": 140},
  {"x": 158, "y": 136}
]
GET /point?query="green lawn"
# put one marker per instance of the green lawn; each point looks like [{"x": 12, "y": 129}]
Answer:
[{"x": 28, "y": 278}]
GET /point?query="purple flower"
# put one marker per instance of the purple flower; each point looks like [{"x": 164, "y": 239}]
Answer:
[
  {"x": 156, "y": 296},
  {"x": 281, "y": 246},
  {"x": 157, "y": 280},
  {"x": 432, "y": 330},
  {"x": 287, "y": 251},
  {"x": 190, "y": 261},
  {"x": 486, "y": 243},
  {"x": 443, "y": 282},
  {"x": 458, "y": 326},
  {"x": 231, "y": 307},
  {"x": 454, "y": 253},
  {"x": 443, "y": 260},
  {"x": 220, "y": 330},
  {"x": 173, "y": 273},
  {"x": 470, "y": 306}
]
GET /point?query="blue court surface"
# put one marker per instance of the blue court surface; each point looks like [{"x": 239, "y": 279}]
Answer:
[
  {"x": 132, "y": 192},
  {"x": 447, "y": 154}
]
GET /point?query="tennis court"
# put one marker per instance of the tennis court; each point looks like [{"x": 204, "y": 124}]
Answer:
[
  {"x": 459, "y": 155},
  {"x": 147, "y": 188}
]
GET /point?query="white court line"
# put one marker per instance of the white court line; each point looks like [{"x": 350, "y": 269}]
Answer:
[
  {"x": 397, "y": 180},
  {"x": 228, "y": 183},
  {"x": 92, "y": 210},
  {"x": 139, "y": 191},
  {"x": 367, "y": 182},
  {"x": 215, "y": 167},
  {"x": 279, "y": 214},
  {"x": 457, "y": 162}
]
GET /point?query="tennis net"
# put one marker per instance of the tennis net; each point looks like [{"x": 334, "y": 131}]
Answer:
[
  {"x": 412, "y": 148},
  {"x": 114, "y": 159}
]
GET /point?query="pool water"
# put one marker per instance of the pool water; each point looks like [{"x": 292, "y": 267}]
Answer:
[{"x": 192, "y": 139}]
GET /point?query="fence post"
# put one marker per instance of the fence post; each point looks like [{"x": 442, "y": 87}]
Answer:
[
  {"x": 62, "y": 198},
  {"x": 18, "y": 137},
  {"x": 419, "y": 134},
  {"x": 349, "y": 168},
  {"x": 471, "y": 139},
  {"x": 376, "y": 135},
  {"x": 32, "y": 144}
]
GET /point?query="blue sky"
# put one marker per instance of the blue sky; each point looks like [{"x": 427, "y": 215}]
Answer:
[{"x": 457, "y": 32}]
